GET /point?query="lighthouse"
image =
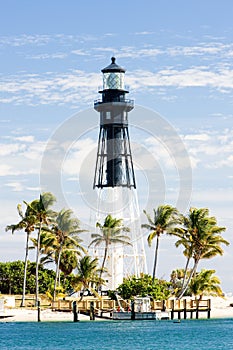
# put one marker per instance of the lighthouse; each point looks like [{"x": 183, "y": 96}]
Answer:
[
  {"x": 114, "y": 165},
  {"x": 114, "y": 178}
]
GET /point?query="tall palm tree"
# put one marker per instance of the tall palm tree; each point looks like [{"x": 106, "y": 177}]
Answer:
[
  {"x": 205, "y": 283},
  {"x": 61, "y": 241},
  {"x": 201, "y": 238},
  {"x": 27, "y": 223},
  {"x": 165, "y": 219},
  {"x": 88, "y": 274},
  {"x": 66, "y": 229},
  {"x": 110, "y": 234},
  {"x": 40, "y": 209}
]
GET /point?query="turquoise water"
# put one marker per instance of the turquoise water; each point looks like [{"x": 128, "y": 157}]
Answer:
[{"x": 145, "y": 335}]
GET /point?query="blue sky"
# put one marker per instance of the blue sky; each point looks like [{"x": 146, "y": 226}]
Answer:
[{"x": 178, "y": 57}]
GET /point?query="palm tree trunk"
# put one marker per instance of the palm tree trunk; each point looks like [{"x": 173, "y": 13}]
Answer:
[
  {"x": 59, "y": 278},
  {"x": 156, "y": 259},
  {"x": 57, "y": 273},
  {"x": 184, "y": 278},
  {"x": 37, "y": 263},
  {"x": 189, "y": 279},
  {"x": 103, "y": 263},
  {"x": 25, "y": 271}
]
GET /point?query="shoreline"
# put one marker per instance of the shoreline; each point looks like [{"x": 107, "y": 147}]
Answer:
[{"x": 220, "y": 308}]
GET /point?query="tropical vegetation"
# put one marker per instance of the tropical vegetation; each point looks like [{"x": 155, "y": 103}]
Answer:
[
  {"x": 61, "y": 242},
  {"x": 201, "y": 238},
  {"x": 143, "y": 286},
  {"x": 87, "y": 277},
  {"x": 56, "y": 238},
  {"x": 205, "y": 282},
  {"x": 12, "y": 274}
]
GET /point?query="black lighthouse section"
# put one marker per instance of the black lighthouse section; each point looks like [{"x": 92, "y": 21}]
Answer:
[{"x": 114, "y": 165}]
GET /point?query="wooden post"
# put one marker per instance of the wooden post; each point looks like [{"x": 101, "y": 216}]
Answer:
[
  {"x": 209, "y": 308},
  {"x": 38, "y": 310},
  {"x": 197, "y": 309},
  {"x": 92, "y": 311},
  {"x": 185, "y": 309},
  {"x": 75, "y": 314},
  {"x": 172, "y": 306},
  {"x": 132, "y": 310}
]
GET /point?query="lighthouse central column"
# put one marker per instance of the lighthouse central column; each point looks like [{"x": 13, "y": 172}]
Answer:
[{"x": 114, "y": 156}]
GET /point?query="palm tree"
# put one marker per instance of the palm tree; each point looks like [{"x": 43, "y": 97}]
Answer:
[
  {"x": 205, "y": 283},
  {"x": 201, "y": 238},
  {"x": 61, "y": 243},
  {"x": 66, "y": 229},
  {"x": 165, "y": 219},
  {"x": 69, "y": 261},
  {"x": 40, "y": 209},
  {"x": 27, "y": 222},
  {"x": 88, "y": 274},
  {"x": 110, "y": 234}
]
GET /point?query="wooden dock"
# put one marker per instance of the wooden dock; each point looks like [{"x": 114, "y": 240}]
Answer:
[
  {"x": 186, "y": 308},
  {"x": 189, "y": 308}
]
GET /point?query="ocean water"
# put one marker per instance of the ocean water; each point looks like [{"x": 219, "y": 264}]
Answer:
[{"x": 101, "y": 335}]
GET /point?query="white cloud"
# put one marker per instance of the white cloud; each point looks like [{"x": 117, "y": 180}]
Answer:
[
  {"x": 211, "y": 149},
  {"x": 192, "y": 77},
  {"x": 24, "y": 39},
  {"x": 46, "y": 56},
  {"x": 33, "y": 189},
  {"x": 15, "y": 186},
  {"x": 28, "y": 138},
  {"x": 5, "y": 170},
  {"x": 197, "y": 137},
  {"x": 78, "y": 154},
  {"x": 12, "y": 148},
  {"x": 21, "y": 158},
  {"x": 77, "y": 86},
  {"x": 50, "y": 88},
  {"x": 144, "y": 33},
  {"x": 205, "y": 48},
  {"x": 80, "y": 52}
]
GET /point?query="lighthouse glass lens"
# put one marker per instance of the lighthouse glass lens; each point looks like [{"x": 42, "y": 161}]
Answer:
[{"x": 113, "y": 81}]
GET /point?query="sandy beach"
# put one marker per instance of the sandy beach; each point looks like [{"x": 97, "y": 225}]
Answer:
[
  {"x": 220, "y": 308},
  {"x": 47, "y": 315}
]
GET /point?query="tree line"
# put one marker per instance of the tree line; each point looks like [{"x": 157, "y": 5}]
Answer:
[{"x": 58, "y": 240}]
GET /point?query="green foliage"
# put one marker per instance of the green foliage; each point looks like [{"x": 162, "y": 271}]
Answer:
[
  {"x": 88, "y": 274},
  {"x": 144, "y": 286},
  {"x": 205, "y": 282},
  {"x": 11, "y": 278},
  {"x": 201, "y": 239}
]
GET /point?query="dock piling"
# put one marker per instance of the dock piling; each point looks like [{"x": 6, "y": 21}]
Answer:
[
  {"x": 92, "y": 311},
  {"x": 132, "y": 310},
  {"x": 38, "y": 310},
  {"x": 75, "y": 314}
]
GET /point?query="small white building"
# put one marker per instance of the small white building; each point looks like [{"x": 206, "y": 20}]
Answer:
[{"x": 142, "y": 304}]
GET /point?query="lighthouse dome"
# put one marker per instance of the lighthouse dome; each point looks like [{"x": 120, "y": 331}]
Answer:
[{"x": 113, "y": 76}]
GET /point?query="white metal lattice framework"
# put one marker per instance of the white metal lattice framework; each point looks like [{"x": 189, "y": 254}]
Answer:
[{"x": 122, "y": 260}]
